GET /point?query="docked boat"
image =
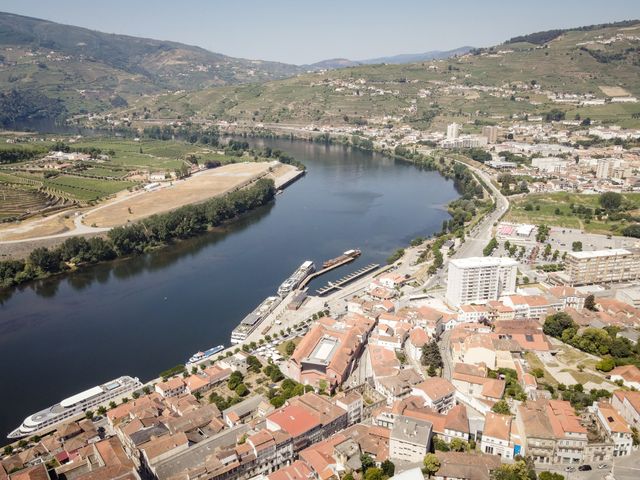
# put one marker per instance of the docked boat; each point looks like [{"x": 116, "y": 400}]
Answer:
[
  {"x": 196, "y": 357},
  {"x": 303, "y": 271},
  {"x": 251, "y": 321},
  {"x": 76, "y": 405},
  {"x": 346, "y": 256}
]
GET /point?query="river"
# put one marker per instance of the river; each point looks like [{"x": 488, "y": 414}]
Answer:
[{"x": 140, "y": 316}]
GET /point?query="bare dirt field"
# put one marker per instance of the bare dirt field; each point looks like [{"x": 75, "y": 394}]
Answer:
[
  {"x": 198, "y": 188},
  {"x": 614, "y": 91},
  {"x": 38, "y": 227}
]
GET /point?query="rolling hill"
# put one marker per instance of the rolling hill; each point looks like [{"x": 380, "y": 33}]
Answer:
[
  {"x": 76, "y": 69},
  {"x": 518, "y": 78}
]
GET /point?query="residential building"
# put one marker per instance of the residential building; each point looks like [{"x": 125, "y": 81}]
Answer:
[
  {"x": 628, "y": 405},
  {"x": 480, "y": 279},
  {"x": 438, "y": 393},
  {"x": 615, "y": 427},
  {"x": 453, "y": 131},
  {"x": 466, "y": 466},
  {"x": 500, "y": 436},
  {"x": 491, "y": 132},
  {"x": 410, "y": 439},
  {"x": 629, "y": 375},
  {"x": 602, "y": 266}
]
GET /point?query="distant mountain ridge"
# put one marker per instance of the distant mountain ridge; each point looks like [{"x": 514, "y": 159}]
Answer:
[{"x": 334, "y": 63}]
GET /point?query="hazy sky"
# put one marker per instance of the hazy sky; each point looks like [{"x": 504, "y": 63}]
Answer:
[{"x": 308, "y": 31}]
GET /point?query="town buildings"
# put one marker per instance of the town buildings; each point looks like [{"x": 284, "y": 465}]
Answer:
[{"x": 602, "y": 266}]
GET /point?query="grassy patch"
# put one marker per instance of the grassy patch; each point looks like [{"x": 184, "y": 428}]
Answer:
[
  {"x": 545, "y": 206},
  {"x": 535, "y": 362}
]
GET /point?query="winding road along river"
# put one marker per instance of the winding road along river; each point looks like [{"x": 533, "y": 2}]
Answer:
[{"x": 143, "y": 315}]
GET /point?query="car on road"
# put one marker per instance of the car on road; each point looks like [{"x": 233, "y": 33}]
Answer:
[
  {"x": 584, "y": 468},
  {"x": 602, "y": 466},
  {"x": 570, "y": 469}
]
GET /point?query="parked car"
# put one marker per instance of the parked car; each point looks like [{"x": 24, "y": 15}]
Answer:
[
  {"x": 584, "y": 468},
  {"x": 570, "y": 469},
  {"x": 602, "y": 466}
]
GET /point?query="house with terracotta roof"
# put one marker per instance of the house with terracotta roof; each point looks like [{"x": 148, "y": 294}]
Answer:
[
  {"x": 465, "y": 466},
  {"x": 353, "y": 403},
  {"x": 307, "y": 419},
  {"x": 473, "y": 313},
  {"x": 418, "y": 338},
  {"x": 539, "y": 438},
  {"x": 629, "y": 375},
  {"x": 527, "y": 334},
  {"x": 298, "y": 470},
  {"x": 438, "y": 393},
  {"x": 104, "y": 460},
  {"x": 615, "y": 427},
  {"x": 395, "y": 387},
  {"x": 38, "y": 472},
  {"x": 500, "y": 436},
  {"x": 500, "y": 311},
  {"x": 571, "y": 297},
  {"x": 453, "y": 424},
  {"x": 171, "y": 388},
  {"x": 627, "y": 403}
]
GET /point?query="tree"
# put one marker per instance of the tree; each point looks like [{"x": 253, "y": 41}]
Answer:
[
  {"x": 290, "y": 348},
  {"x": 241, "y": 390},
  {"x": 388, "y": 468},
  {"x": 431, "y": 355},
  {"x": 373, "y": 473},
  {"x": 8, "y": 450},
  {"x": 235, "y": 379},
  {"x": 88, "y": 414},
  {"x": 367, "y": 462},
  {"x": 556, "y": 324},
  {"x": 491, "y": 246},
  {"x": 537, "y": 372},
  {"x": 431, "y": 371},
  {"x": 610, "y": 201},
  {"x": 501, "y": 407},
  {"x": 458, "y": 445},
  {"x": 576, "y": 246},
  {"x": 550, "y": 476},
  {"x": 45, "y": 260},
  {"x": 605, "y": 365},
  {"x": 514, "y": 471},
  {"x": 102, "y": 410},
  {"x": 590, "y": 303},
  {"x": 431, "y": 464}
]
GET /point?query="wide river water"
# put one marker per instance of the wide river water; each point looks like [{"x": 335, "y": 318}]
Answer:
[{"x": 142, "y": 315}]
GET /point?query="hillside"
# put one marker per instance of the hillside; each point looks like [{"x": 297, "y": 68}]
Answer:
[
  {"x": 485, "y": 85},
  {"x": 82, "y": 69}
]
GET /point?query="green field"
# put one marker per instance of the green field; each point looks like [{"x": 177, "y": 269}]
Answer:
[
  {"x": 548, "y": 204},
  {"x": 86, "y": 189}
]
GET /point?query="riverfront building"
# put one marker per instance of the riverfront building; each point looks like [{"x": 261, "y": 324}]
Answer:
[
  {"x": 602, "y": 266},
  {"x": 480, "y": 279}
]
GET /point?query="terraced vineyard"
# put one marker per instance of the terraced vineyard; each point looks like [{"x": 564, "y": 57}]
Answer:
[{"x": 18, "y": 201}]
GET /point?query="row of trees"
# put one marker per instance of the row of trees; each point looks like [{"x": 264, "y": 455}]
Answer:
[{"x": 137, "y": 238}]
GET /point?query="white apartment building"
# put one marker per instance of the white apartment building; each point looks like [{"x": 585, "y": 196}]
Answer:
[
  {"x": 453, "y": 130},
  {"x": 480, "y": 279},
  {"x": 602, "y": 266}
]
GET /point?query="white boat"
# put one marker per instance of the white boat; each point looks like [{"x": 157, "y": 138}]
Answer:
[
  {"x": 303, "y": 271},
  {"x": 75, "y": 405},
  {"x": 196, "y": 357}
]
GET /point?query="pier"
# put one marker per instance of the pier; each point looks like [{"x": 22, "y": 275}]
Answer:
[
  {"x": 306, "y": 281},
  {"x": 338, "y": 284}
]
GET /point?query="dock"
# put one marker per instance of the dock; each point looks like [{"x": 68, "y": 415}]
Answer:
[
  {"x": 338, "y": 284},
  {"x": 306, "y": 281}
]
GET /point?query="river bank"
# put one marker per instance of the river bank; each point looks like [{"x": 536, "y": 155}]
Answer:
[{"x": 142, "y": 315}]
